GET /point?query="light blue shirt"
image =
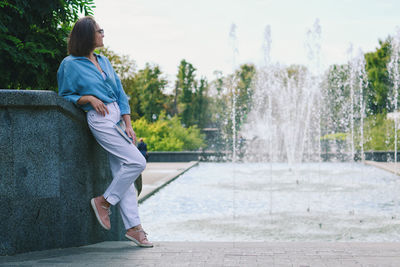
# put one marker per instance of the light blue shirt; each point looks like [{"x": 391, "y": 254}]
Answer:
[{"x": 77, "y": 76}]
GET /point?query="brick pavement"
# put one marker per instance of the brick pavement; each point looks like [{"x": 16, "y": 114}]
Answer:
[{"x": 120, "y": 253}]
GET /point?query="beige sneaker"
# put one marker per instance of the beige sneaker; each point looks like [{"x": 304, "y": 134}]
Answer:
[
  {"x": 139, "y": 237},
  {"x": 102, "y": 213}
]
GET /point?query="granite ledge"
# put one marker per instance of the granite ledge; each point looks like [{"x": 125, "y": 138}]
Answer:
[{"x": 42, "y": 99}]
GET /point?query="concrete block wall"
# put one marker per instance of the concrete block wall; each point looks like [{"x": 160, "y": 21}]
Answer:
[{"x": 50, "y": 168}]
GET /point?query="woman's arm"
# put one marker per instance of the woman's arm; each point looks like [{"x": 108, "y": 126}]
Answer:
[
  {"x": 96, "y": 103},
  {"x": 66, "y": 78},
  {"x": 122, "y": 100},
  {"x": 129, "y": 130}
]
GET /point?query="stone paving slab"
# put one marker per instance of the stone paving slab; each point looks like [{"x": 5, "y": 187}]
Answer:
[
  {"x": 121, "y": 253},
  {"x": 159, "y": 174},
  {"x": 392, "y": 167}
]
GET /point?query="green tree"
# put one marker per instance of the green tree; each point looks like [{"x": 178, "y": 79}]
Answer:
[
  {"x": 239, "y": 98},
  {"x": 336, "y": 98},
  {"x": 185, "y": 87},
  {"x": 123, "y": 65},
  {"x": 218, "y": 110},
  {"x": 378, "y": 77},
  {"x": 218, "y": 104},
  {"x": 201, "y": 116},
  {"x": 379, "y": 133},
  {"x": 225, "y": 91},
  {"x": 33, "y": 40},
  {"x": 150, "y": 86},
  {"x": 244, "y": 91},
  {"x": 145, "y": 88}
]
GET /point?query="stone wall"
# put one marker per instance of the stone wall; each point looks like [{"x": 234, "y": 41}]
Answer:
[
  {"x": 50, "y": 168},
  {"x": 186, "y": 156},
  {"x": 381, "y": 156}
]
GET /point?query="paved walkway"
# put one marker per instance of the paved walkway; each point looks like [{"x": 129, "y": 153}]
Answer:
[
  {"x": 159, "y": 174},
  {"x": 388, "y": 166},
  {"x": 156, "y": 175},
  {"x": 121, "y": 253}
]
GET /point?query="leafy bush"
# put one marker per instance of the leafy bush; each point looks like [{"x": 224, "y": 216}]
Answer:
[
  {"x": 335, "y": 136},
  {"x": 168, "y": 134},
  {"x": 379, "y": 133}
]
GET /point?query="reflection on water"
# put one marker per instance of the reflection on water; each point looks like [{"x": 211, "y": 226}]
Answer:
[{"x": 266, "y": 202}]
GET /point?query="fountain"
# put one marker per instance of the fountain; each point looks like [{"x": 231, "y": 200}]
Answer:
[
  {"x": 283, "y": 190},
  {"x": 284, "y": 122},
  {"x": 394, "y": 74},
  {"x": 289, "y": 101},
  {"x": 357, "y": 82},
  {"x": 233, "y": 38}
]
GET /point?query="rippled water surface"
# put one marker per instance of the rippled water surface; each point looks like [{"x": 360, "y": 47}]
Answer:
[{"x": 267, "y": 202}]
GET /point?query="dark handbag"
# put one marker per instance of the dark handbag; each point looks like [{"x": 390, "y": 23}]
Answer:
[{"x": 138, "y": 184}]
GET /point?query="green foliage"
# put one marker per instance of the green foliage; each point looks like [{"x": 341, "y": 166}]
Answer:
[
  {"x": 244, "y": 90},
  {"x": 123, "y": 65},
  {"x": 239, "y": 94},
  {"x": 125, "y": 68},
  {"x": 144, "y": 87},
  {"x": 335, "y": 136},
  {"x": 378, "y": 77},
  {"x": 200, "y": 104},
  {"x": 33, "y": 40},
  {"x": 168, "y": 134},
  {"x": 186, "y": 85},
  {"x": 150, "y": 86},
  {"x": 190, "y": 97},
  {"x": 379, "y": 133},
  {"x": 145, "y": 90},
  {"x": 335, "y": 92}
]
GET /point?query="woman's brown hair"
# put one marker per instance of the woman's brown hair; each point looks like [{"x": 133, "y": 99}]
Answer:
[{"x": 82, "y": 40}]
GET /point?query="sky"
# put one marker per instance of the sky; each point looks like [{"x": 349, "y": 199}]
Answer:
[{"x": 164, "y": 32}]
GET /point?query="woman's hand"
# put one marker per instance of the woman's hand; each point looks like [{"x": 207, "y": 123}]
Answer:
[
  {"x": 99, "y": 106},
  {"x": 96, "y": 103},
  {"x": 129, "y": 130},
  {"x": 131, "y": 133}
]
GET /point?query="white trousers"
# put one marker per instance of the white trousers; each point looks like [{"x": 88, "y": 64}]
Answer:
[{"x": 126, "y": 163}]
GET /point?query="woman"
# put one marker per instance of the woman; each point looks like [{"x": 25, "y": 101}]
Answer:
[{"x": 88, "y": 80}]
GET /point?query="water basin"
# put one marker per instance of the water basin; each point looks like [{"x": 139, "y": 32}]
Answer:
[{"x": 276, "y": 202}]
